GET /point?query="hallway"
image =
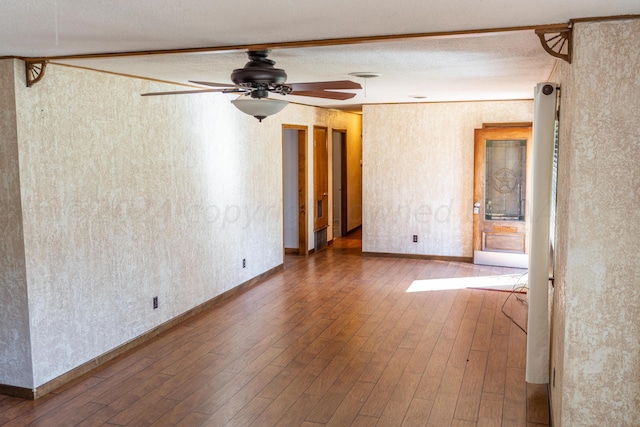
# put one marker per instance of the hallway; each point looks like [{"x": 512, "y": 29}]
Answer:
[{"x": 335, "y": 339}]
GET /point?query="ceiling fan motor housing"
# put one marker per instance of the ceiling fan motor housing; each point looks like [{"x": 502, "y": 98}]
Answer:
[
  {"x": 259, "y": 78},
  {"x": 259, "y": 73}
]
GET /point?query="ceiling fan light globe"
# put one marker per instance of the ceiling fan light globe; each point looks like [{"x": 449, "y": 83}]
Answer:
[{"x": 259, "y": 108}]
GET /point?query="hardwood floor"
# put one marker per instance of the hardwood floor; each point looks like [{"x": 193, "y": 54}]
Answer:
[{"x": 333, "y": 340}]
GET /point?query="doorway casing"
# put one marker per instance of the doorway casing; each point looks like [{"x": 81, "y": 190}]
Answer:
[
  {"x": 339, "y": 187},
  {"x": 502, "y": 239},
  {"x": 301, "y": 132}
]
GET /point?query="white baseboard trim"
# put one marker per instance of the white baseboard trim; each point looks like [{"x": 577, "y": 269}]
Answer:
[{"x": 501, "y": 259}]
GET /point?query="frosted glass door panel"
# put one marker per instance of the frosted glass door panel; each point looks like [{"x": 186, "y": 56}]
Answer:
[{"x": 505, "y": 180}]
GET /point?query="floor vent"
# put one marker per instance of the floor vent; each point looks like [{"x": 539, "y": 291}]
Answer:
[{"x": 321, "y": 239}]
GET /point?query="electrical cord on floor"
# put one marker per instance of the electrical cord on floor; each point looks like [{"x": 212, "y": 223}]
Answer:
[{"x": 518, "y": 287}]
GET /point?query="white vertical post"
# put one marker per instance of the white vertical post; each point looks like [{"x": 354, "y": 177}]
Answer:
[{"x": 544, "y": 114}]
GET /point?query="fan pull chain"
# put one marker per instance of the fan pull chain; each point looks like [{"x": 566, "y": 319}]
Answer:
[{"x": 365, "y": 76}]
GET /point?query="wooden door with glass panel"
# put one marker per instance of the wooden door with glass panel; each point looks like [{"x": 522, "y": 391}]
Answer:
[{"x": 501, "y": 191}]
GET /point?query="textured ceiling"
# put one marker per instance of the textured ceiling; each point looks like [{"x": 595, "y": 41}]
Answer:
[
  {"x": 496, "y": 65},
  {"x": 493, "y": 66}
]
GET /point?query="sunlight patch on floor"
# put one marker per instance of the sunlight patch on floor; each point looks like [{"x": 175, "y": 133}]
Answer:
[{"x": 506, "y": 282}]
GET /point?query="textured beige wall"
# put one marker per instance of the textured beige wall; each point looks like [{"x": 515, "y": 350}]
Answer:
[
  {"x": 15, "y": 350},
  {"x": 126, "y": 198},
  {"x": 418, "y": 174},
  {"x": 558, "y": 298},
  {"x": 596, "y": 324}
]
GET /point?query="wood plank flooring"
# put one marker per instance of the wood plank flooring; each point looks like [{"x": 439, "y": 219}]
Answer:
[{"x": 333, "y": 340}]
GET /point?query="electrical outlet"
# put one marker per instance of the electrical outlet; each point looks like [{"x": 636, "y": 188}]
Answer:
[
  {"x": 244, "y": 263},
  {"x": 415, "y": 238},
  {"x": 155, "y": 302}
]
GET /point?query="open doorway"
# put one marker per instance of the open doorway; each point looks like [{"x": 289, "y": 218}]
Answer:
[
  {"x": 294, "y": 153},
  {"x": 339, "y": 185}
]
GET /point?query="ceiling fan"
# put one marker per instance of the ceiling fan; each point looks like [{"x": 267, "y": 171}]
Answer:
[{"x": 258, "y": 78}]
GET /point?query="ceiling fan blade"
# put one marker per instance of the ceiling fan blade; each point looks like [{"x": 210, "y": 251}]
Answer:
[
  {"x": 324, "y": 94},
  {"x": 182, "y": 92},
  {"x": 212, "y": 84},
  {"x": 338, "y": 84}
]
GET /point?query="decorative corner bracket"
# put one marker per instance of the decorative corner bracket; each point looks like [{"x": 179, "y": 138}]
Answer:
[
  {"x": 35, "y": 71},
  {"x": 557, "y": 42}
]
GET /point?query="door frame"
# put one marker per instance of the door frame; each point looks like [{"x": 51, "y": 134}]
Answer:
[
  {"x": 507, "y": 259},
  {"x": 343, "y": 179},
  {"x": 320, "y": 186},
  {"x": 303, "y": 237}
]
